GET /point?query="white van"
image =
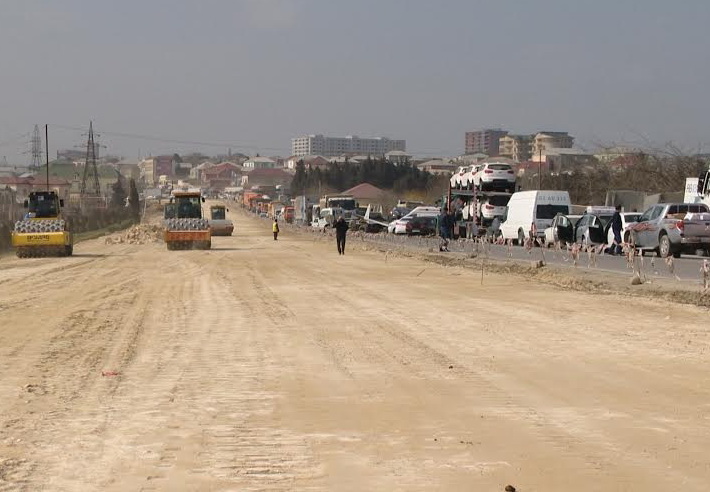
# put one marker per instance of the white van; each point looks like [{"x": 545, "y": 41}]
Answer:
[{"x": 533, "y": 211}]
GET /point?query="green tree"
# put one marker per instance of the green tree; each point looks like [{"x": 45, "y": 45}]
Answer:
[
  {"x": 134, "y": 200},
  {"x": 118, "y": 196}
]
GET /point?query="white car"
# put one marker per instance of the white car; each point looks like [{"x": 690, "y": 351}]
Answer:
[
  {"x": 399, "y": 226},
  {"x": 492, "y": 206},
  {"x": 495, "y": 176},
  {"x": 456, "y": 180},
  {"x": 467, "y": 179},
  {"x": 626, "y": 219}
]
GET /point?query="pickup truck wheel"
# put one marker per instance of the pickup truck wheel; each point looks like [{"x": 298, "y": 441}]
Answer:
[{"x": 664, "y": 246}]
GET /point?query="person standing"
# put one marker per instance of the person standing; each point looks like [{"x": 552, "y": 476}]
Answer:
[
  {"x": 275, "y": 230},
  {"x": 616, "y": 225},
  {"x": 341, "y": 228}
]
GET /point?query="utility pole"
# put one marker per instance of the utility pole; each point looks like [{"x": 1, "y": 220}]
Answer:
[
  {"x": 46, "y": 142},
  {"x": 539, "y": 170},
  {"x": 36, "y": 150},
  {"x": 90, "y": 167}
]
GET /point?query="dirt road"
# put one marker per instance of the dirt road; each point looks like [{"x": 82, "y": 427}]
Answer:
[{"x": 280, "y": 365}]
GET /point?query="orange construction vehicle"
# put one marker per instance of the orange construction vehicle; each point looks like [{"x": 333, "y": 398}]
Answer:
[{"x": 185, "y": 226}]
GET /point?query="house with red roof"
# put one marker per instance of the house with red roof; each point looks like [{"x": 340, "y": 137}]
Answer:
[
  {"x": 220, "y": 176},
  {"x": 267, "y": 177},
  {"x": 24, "y": 185},
  {"x": 366, "y": 193}
]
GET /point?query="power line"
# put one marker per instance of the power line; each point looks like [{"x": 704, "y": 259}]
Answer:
[{"x": 172, "y": 140}]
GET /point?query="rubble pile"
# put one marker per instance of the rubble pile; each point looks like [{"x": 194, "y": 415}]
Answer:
[{"x": 137, "y": 234}]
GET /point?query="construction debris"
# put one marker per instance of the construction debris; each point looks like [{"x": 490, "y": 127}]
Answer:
[{"x": 137, "y": 234}]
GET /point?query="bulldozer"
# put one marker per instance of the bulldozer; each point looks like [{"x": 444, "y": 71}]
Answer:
[
  {"x": 43, "y": 231},
  {"x": 185, "y": 226}
]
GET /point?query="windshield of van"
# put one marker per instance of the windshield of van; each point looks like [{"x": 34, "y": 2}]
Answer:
[{"x": 549, "y": 211}]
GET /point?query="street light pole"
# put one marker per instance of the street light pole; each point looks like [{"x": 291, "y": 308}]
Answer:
[{"x": 539, "y": 170}]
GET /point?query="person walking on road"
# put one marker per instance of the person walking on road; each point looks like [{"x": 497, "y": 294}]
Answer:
[
  {"x": 275, "y": 230},
  {"x": 341, "y": 228},
  {"x": 616, "y": 225},
  {"x": 446, "y": 224}
]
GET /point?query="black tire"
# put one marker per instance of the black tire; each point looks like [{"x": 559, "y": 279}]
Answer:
[
  {"x": 664, "y": 246},
  {"x": 69, "y": 250}
]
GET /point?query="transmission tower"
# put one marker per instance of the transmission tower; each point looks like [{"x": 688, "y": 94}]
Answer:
[
  {"x": 36, "y": 151},
  {"x": 90, "y": 168}
]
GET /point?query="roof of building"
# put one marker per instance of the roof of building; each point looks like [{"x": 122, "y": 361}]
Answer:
[
  {"x": 268, "y": 172},
  {"x": 364, "y": 190},
  {"x": 260, "y": 159},
  {"x": 32, "y": 181},
  {"x": 554, "y": 134}
]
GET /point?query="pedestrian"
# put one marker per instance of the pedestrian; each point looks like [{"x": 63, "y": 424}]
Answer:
[
  {"x": 616, "y": 225},
  {"x": 275, "y": 229},
  {"x": 341, "y": 228},
  {"x": 446, "y": 220}
]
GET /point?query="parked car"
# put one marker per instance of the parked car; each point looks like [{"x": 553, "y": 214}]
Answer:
[
  {"x": 560, "y": 221},
  {"x": 495, "y": 176},
  {"x": 492, "y": 206},
  {"x": 422, "y": 226},
  {"x": 592, "y": 229},
  {"x": 531, "y": 212},
  {"x": 398, "y": 212},
  {"x": 672, "y": 229},
  {"x": 399, "y": 226},
  {"x": 626, "y": 219}
]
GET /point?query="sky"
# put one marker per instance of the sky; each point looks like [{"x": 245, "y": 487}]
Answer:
[{"x": 164, "y": 76}]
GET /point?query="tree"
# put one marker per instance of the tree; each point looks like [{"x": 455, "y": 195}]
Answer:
[
  {"x": 118, "y": 197},
  {"x": 134, "y": 200}
]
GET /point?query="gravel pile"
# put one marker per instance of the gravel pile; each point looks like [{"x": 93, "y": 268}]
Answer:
[{"x": 137, "y": 234}]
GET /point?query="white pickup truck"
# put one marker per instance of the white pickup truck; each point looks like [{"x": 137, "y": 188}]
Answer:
[{"x": 672, "y": 229}]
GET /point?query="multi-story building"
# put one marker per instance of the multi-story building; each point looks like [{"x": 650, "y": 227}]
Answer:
[
  {"x": 152, "y": 168},
  {"x": 351, "y": 144},
  {"x": 484, "y": 141},
  {"x": 551, "y": 140},
  {"x": 516, "y": 147}
]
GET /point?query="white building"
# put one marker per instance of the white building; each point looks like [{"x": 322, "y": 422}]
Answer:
[
  {"x": 259, "y": 163},
  {"x": 351, "y": 144}
]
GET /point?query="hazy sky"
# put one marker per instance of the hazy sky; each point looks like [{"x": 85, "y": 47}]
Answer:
[{"x": 255, "y": 73}]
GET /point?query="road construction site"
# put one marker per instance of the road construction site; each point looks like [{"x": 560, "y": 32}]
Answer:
[{"x": 281, "y": 365}]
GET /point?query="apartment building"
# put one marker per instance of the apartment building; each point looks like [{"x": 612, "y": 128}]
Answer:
[
  {"x": 153, "y": 167},
  {"x": 516, "y": 147},
  {"x": 484, "y": 141},
  {"x": 351, "y": 144},
  {"x": 551, "y": 140}
]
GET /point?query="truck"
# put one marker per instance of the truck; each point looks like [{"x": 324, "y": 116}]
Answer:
[
  {"x": 672, "y": 229},
  {"x": 347, "y": 203},
  {"x": 43, "y": 231},
  {"x": 301, "y": 210},
  {"x": 185, "y": 226},
  {"x": 220, "y": 225}
]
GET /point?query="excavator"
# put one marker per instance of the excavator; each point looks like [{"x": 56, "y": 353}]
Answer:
[
  {"x": 43, "y": 231},
  {"x": 185, "y": 227}
]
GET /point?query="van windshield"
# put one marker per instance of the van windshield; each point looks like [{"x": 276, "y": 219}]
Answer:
[{"x": 549, "y": 211}]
